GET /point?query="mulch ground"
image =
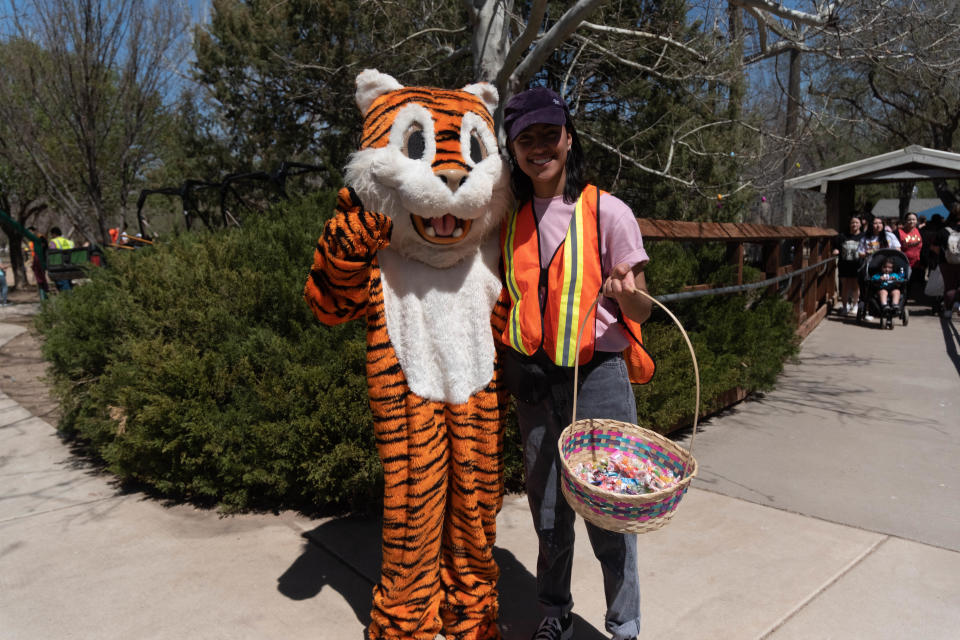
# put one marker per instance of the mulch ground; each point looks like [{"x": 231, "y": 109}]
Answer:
[{"x": 22, "y": 369}]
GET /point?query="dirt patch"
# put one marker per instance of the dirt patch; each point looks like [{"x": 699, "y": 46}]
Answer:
[{"x": 22, "y": 368}]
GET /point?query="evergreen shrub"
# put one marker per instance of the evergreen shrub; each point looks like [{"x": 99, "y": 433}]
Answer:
[
  {"x": 195, "y": 369},
  {"x": 741, "y": 340}
]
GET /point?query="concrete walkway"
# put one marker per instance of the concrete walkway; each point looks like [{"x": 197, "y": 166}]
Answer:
[{"x": 826, "y": 509}]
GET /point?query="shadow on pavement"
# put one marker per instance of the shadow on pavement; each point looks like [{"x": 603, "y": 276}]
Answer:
[
  {"x": 336, "y": 554},
  {"x": 951, "y": 339},
  {"x": 340, "y": 551}
]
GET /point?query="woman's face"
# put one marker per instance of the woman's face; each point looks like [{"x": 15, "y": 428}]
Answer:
[
  {"x": 541, "y": 153},
  {"x": 910, "y": 222},
  {"x": 854, "y": 225},
  {"x": 877, "y": 226}
]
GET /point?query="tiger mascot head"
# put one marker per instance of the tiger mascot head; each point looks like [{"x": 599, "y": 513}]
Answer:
[{"x": 429, "y": 159}]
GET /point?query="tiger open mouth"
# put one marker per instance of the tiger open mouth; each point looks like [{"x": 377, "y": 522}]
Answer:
[{"x": 446, "y": 229}]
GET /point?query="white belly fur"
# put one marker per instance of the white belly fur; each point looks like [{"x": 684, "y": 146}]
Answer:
[{"x": 438, "y": 321}]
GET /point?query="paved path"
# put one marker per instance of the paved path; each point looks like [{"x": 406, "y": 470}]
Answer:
[{"x": 826, "y": 509}]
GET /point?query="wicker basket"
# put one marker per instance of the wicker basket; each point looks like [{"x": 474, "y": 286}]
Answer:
[{"x": 590, "y": 440}]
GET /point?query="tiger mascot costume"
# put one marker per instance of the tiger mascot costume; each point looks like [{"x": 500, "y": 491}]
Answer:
[{"x": 410, "y": 249}]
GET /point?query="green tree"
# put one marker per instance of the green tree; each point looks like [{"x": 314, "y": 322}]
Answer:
[
  {"x": 281, "y": 74},
  {"x": 82, "y": 92}
]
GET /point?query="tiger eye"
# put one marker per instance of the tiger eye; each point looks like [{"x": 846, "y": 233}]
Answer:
[
  {"x": 415, "y": 144},
  {"x": 477, "y": 152}
]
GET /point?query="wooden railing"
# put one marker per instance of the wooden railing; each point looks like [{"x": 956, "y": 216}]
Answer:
[{"x": 812, "y": 291}]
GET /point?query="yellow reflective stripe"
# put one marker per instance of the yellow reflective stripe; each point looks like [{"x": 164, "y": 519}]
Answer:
[
  {"x": 569, "y": 309},
  {"x": 516, "y": 341}
]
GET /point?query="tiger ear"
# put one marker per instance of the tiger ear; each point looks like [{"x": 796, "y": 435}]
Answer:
[
  {"x": 371, "y": 84},
  {"x": 487, "y": 94}
]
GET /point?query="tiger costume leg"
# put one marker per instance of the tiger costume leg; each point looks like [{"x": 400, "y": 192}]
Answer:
[
  {"x": 468, "y": 570},
  {"x": 413, "y": 445},
  {"x": 441, "y": 497}
]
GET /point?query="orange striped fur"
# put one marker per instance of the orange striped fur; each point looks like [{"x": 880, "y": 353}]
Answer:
[{"x": 442, "y": 462}]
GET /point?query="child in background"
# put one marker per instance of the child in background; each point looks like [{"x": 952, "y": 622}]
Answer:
[{"x": 889, "y": 293}]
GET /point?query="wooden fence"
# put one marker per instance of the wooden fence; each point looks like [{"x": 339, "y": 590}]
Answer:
[{"x": 783, "y": 251}]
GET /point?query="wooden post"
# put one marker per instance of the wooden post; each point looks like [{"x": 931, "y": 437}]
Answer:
[
  {"x": 735, "y": 254},
  {"x": 796, "y": 289},
  {"x": 771, "y": 261}
]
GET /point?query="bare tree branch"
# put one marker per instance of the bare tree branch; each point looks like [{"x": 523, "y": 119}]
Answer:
[
  {"x": 825, "y": 14},
  {"x": 549, "y": 42},
  {"x": 634, "y": 33}
]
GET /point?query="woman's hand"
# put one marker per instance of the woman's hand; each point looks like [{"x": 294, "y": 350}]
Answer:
[{"x": 623, "y": 285}]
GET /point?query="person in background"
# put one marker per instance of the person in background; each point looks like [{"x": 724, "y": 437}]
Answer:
[
  {"x": 3, "y": 286},
  {"x": 565, "y": 228},
  {"x": 36, "y": 265},
  {"x": 948, "y": 240},
  {"x": 911, "y": 243},
  {"x": 57, "y": 241},
  {"x": 876, "y": 237},
  {"x": 889, "y": 293},
  {"x": 846, "y": 247},
  {"x": 929, "y": 253}
]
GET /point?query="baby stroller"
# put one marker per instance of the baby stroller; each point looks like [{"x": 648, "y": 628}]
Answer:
[{"x": 869, "y": 303}]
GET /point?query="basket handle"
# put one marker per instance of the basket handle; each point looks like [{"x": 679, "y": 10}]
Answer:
[{"x": 693, "y": 356}]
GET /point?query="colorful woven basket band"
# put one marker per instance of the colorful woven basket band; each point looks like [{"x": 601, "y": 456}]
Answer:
[
  {"x": 611, "y": 441},
  {"x": 624, "y": 510}
]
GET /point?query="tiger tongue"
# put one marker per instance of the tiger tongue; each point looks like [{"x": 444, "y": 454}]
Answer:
[{"x": 445, "y": 225}]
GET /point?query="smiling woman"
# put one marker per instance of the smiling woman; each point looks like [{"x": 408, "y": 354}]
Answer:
[
  {"x": 566, "y": 244},
  {"x": 540, "y": 151}
]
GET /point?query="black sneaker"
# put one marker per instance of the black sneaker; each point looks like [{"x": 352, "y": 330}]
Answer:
[{"x": 555, "y": 628}]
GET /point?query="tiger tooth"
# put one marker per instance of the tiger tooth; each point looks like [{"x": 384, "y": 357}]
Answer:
[
  {"x": 430, "y": 231},
  {"x": 457, "y": 232}
]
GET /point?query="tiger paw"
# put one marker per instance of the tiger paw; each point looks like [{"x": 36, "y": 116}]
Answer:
[{"x": 355, "y": 233}]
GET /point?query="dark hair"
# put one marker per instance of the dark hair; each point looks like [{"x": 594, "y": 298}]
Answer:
[
  {"x": 882, "y": 236},
  {"x": 54, "y": 231},
  {"x": 576, "y": 181},
  {"x": 954, "y": 216}
]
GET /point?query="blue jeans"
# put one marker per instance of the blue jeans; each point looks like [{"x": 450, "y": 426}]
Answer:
[
  {"x": 3, "y": 288},
  {"x": 605, "y": 392}
]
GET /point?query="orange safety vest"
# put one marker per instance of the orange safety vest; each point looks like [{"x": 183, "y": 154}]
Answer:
[{"x": 573, "y": 280}]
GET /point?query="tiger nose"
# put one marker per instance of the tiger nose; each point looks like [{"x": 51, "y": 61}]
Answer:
[{"x": 453, "y": 178}]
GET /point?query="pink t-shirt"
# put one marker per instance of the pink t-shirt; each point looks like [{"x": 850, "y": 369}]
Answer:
[{"x": 620, "y": 241}]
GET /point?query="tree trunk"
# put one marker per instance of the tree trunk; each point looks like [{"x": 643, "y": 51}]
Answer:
[
  {"x": 904, "y": 195},
  {"x": 790, "y": 130},
  {"x": 490, "y": 39}
]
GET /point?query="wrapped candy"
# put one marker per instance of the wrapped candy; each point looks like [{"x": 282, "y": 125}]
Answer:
[{"x": 625, "y": 473}]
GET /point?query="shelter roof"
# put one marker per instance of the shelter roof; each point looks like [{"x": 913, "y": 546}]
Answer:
[
  {"x": 890, "y": 207},
  {"x": 911, "y": 164}
]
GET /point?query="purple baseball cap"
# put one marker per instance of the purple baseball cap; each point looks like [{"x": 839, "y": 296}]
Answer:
[{"x": 533, "y": 106}]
